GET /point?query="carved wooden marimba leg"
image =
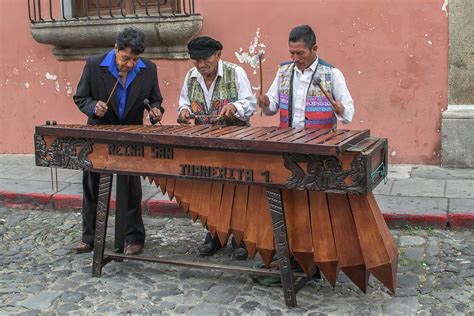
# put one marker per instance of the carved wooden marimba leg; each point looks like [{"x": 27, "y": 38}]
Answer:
[
  {"x": 279, "y": 229},
  {"x": 105, "y": 187}
]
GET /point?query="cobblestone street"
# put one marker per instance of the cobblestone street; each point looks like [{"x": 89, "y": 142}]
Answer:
[{"x": 40, "y": 275}]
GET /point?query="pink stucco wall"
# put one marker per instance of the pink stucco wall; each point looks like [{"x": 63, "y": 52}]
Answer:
[{"x": 393, "y": 55}]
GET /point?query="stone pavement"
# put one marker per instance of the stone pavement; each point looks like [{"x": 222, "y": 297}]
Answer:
[
  {"x": 427, "y": 196},
  {"x": 40, "y": 276}
]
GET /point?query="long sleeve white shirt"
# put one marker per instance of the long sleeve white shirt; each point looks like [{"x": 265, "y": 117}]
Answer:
[
  {"x": 245, "y": 104},
  {"x": 301, "y": 82}
]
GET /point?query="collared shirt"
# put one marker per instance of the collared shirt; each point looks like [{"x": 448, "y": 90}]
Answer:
[
  {"x": 301, "y": 82},
  {"x": 122, "y": 91},
  {"x": 245, "y": 104}
]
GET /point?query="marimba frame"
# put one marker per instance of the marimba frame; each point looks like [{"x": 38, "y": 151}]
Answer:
[
  {"x": 102, "y": 257},
  {"x": 341, "y": 161}
]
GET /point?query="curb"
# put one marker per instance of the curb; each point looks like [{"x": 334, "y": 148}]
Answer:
[
  {"x": 65, "y": 202},
  {"x": 465, "y": 221},
  {"x": 394, "y": 219},
  {"x": 37, "y": 201},
  {"x": 164, "y": 208},
  {"x": 73, "y": 202}
]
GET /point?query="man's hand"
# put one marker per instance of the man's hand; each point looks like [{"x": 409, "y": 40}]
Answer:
[
  {"x": 338, "y": 107},
  {"x": 100, "y": 108},
  {"x": 263, "y": 101},
  {"x": 183, "y": 117},
  {"x": 155, "y": 115},
  {"x": 228, "y": 111}
]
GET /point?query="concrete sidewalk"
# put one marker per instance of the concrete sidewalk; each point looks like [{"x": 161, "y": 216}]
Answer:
[{"x": 414, "y": 194}]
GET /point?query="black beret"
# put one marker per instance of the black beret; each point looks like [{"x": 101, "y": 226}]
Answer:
[{"x": 203, "y": 47}]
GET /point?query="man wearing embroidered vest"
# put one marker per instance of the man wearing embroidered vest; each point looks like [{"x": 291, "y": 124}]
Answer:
[
  {"x": 295, "y": 91},
  {"x": 214, "y": 88},
  {"x": 215, "y": 91},
  {"x": 112, "y": 90}
]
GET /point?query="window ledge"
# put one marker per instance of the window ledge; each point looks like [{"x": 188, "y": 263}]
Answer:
[{"x": 165, "y": 37}]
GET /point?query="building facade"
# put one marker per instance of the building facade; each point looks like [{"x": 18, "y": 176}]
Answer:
[{"x": 394, "y": 55}]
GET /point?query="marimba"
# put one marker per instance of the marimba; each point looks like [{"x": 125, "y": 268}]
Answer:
[{"x": 301, "y": 193}]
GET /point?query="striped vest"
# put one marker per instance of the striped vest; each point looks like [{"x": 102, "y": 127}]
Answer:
[
  {"x": 318, "y": 109},
  {"x": 225, "y": 91}
]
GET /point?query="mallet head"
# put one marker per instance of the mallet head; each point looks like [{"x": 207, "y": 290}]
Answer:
[{"x": 316, "y": 82}]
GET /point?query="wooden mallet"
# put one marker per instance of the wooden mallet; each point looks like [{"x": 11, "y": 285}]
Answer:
[
  {"x": 260, "y": 57},
  {"x": 317, "y": 82},
  {"x": 120, "y": 76},
  {"x": 146, "y": 103}
]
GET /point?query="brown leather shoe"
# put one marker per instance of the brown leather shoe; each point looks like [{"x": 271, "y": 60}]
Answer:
[
  {"x": 84, "y": 247},
  {"x": 133, "y": 249}
]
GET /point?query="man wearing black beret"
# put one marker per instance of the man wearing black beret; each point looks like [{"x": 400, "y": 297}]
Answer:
[
  {"x": 214, "y": 88},
  {"x": 215, "y": 91}
]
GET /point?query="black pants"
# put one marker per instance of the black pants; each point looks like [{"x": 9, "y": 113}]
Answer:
[{"x": 130, "y": 185}]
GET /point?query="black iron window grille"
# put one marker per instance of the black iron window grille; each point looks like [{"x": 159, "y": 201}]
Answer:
[{"x": 73, "y": 10}]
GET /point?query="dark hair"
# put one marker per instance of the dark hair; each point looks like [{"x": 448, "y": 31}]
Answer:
[
  {"x": 130, "y": 37},
  {"x": 303, "y": 33}
]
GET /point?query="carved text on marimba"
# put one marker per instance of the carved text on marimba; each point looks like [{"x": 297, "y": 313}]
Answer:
[
  {"x": 128, "y": 150},
  {"x": 162, "y": 152},
  {"x": 212, "y": 172}
]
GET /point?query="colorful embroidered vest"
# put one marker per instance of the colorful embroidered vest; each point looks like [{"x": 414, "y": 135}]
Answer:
[
  {"x": 318, "y": 110},
  {"x": 225, "y": 91}
]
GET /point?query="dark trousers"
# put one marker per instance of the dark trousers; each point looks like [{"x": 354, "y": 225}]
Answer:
[{"x": 129, "y": 185}]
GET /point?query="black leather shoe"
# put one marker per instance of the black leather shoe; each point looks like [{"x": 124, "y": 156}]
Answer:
[
  {"x": 317, "y": 274},
  {"x": 208, "y": 249},
  {"x": 240, "y": 253},
  {"x": 210, "y": 246},
  {"x": 84, "y": 247}
]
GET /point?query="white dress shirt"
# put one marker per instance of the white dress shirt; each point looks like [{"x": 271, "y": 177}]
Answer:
[
  {"x": 301, "y": 82},
  {"x": 245, "y": 104}
]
